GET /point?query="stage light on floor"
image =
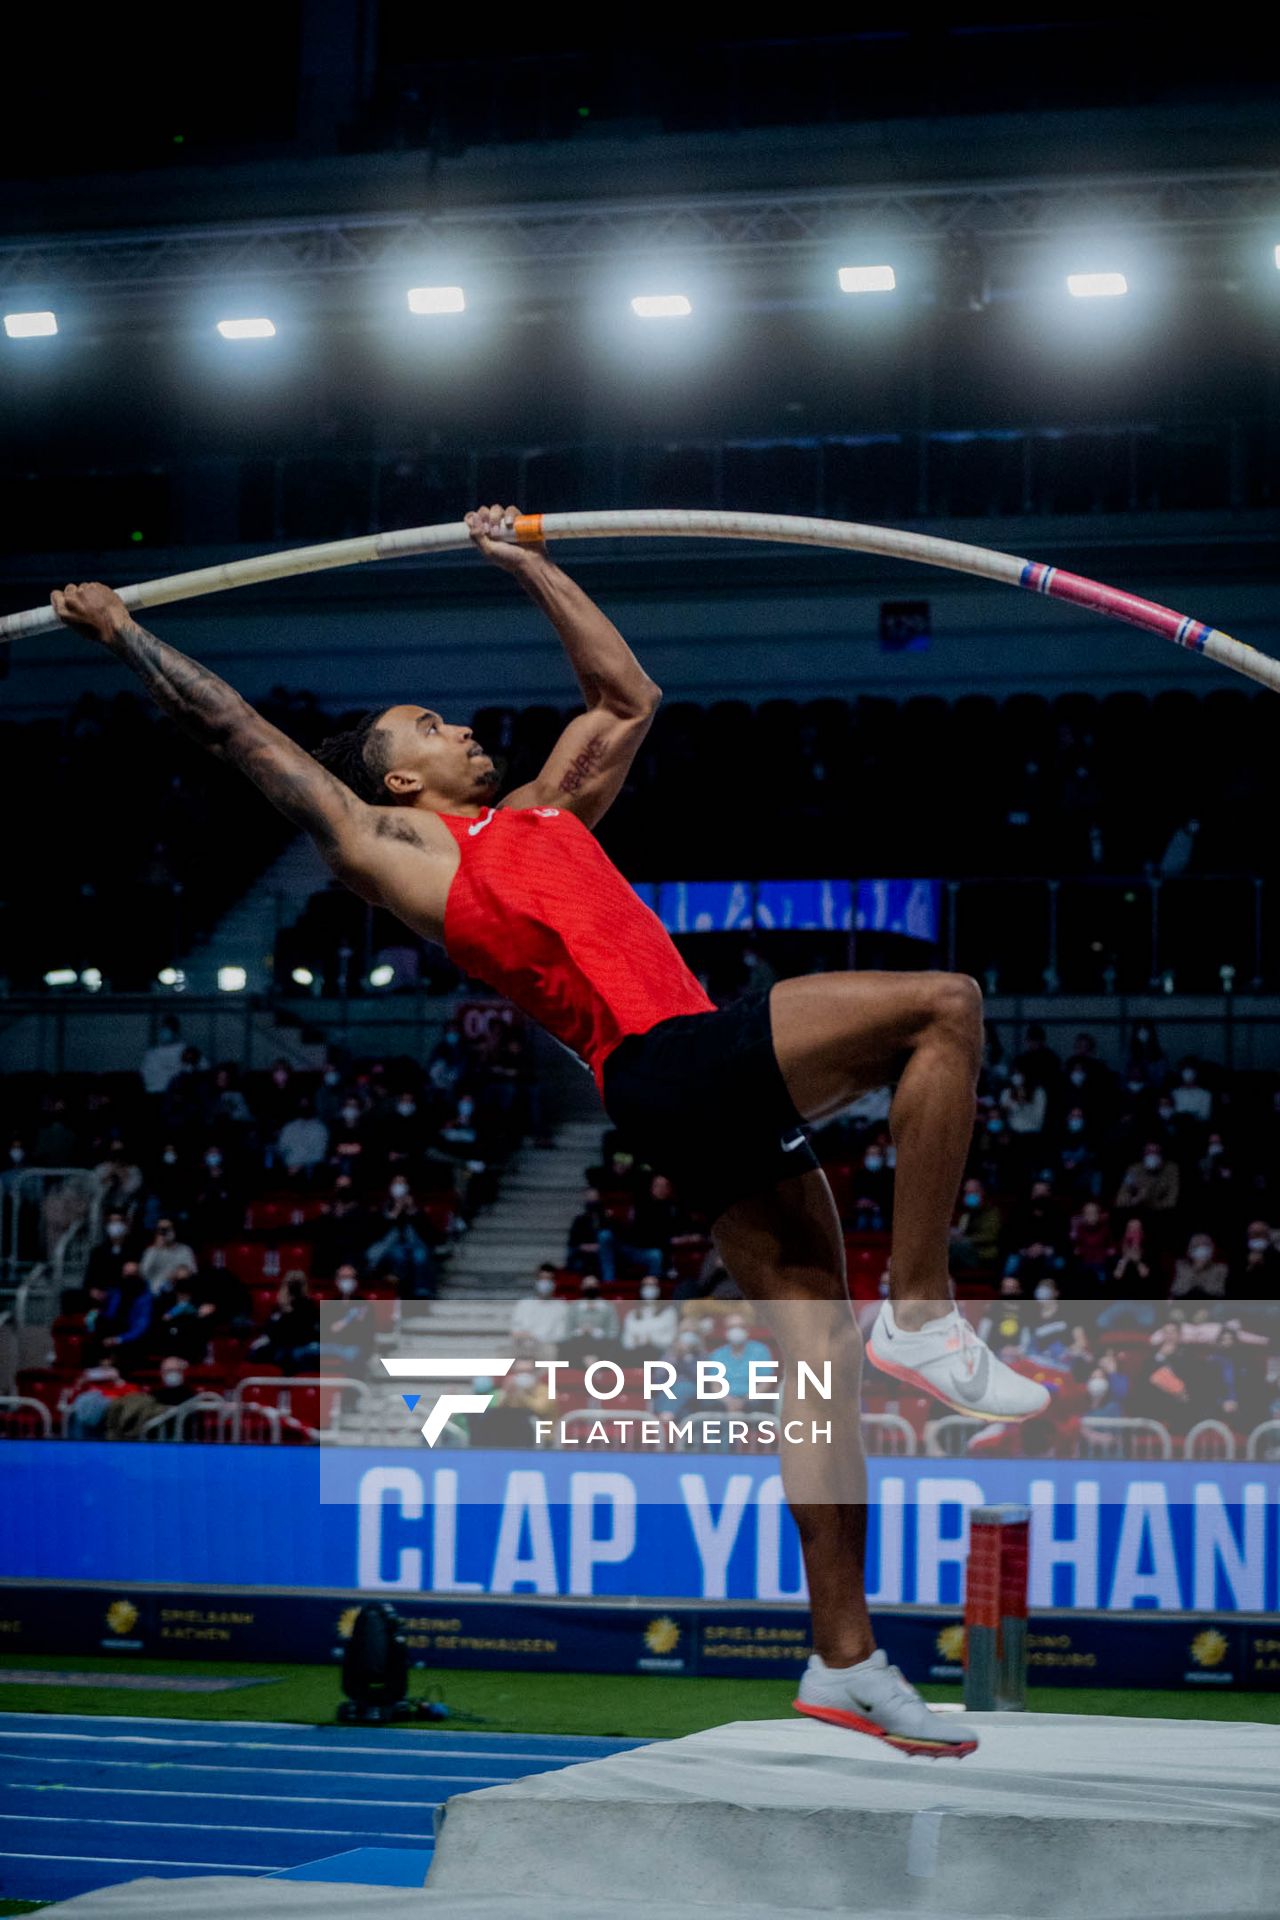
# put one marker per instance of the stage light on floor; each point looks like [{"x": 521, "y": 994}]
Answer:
[
  {"x": 867, "y": 279},
  {"x": 28, "y": 326},
  {"x": 302, "y": 977},
  {"x": 91, "y": 979},
  {"x": 259, "y": 329},
  {"x": 172, "y": 977},
  {"x": 1096, "y": 286},
  {"x": 60, "y": 977},
  {"x": 436, "y": 300},
  {"x": 375, "y": 1672},
  {"x": 381, "y": 976},
  {"x": 661, "y": 306},
  {"x": 232, "y": 979}
]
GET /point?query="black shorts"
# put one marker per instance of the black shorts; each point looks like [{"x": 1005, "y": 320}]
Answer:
[{"x": 701, "y": 1097}]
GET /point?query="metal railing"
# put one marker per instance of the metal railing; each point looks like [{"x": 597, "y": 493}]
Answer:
[
  {"x": 1104, "y": 1437},
  {"x": 1209, "y": 1440}
]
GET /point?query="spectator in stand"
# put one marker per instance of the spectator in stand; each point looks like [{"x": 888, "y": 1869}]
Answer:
[
  {"x": 620, "y": 1175},
  {"x": 91, "y": 1399},
  {"x": 177, "y": 1325},
  {"x": 540, "y": 1318},
  {"x": 684, "y": 1353},
  {"x": 737, "y": 1356},
  {"x": 228, "y": 1108},
  {"x": 161, "y": 1061},
  {"x": 217, "y": 1212},
  {"x": 121, "y": 1329},
  {"x": 404, "y": 1249},
  {"x": 1201, "y": 1274},
  {"x": 1079, "y": 1165},
  {"x": 994, "y": 1154},
  {"x": 508, "y": 1419},
  {"x": 1135, "y": 1275},
  {"x": 1040, "y": 1219},
  {"x": 592, "y": 1332},
  {"x": 1001, "y": 1325},
  {"x": 1259, "y": 1273},
  {"x": 331, "y": 1093},
  {"x": 115, "y": 1251},
  {"x": 1150, "y": 1187},
  {"x": 119, "y": 1180},
  {"x": 447, "y": 1065},
  {"x": 344, "y": 1231},
  {"x": 401, "y": 1135},
  {"x": 1092, "y": 1242},
  {"x": 55, "y": 1143},
  {"x": 872, "y": 1191},
  {"x": 165, "y": 1255},
  {"x": 224, "y": 1304},
  {"x": 186, "y": 1100},
  {"x": 170, "y": 1186},
  {"x": 1033, "y": 1264},
  {"x": 662, "y": 1223},
  {"x": 349, "y": 1140},
  {"x": 1216, "y": 1199},
  {"x": 584, "y": 1235},
  {"x": 649, "y": 1328},
  {"x": 1163, "y": 1392},
  {"x": 1108, "y": 1388},
  {"x": 303, "y": 1143},
  {"x": 276, "y": 1100},
  {"x": 1146, "y": 1061},
  {"x": 1038, "y": 1064},
  {"x": 975, "y": 1238},
  {"x": 1025, "y": 1108},
  {"x": 1090, "y": 1082},
  {"x": 1047, "y": 1335},
  {"x": 348, "y": 1328},
  {"x": 291, "y": 1338},
  {"x": 994, "y": 1071},
  {"x": 1190, "y": 1097}
]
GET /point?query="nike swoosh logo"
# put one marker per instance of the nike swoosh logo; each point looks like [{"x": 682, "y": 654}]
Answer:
[
  {"x": 789, "y": 1146},
  {"x": 482, "y": 822},
  {"x": 972, "y": 1392}
]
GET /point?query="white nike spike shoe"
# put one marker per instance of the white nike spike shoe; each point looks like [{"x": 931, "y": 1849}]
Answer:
[
  {"x": 946, "y": 1358},
  {"x": 874, "y": 1698}
]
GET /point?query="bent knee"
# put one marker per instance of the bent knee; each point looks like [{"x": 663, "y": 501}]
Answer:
[{"x": 957, "y": 999}]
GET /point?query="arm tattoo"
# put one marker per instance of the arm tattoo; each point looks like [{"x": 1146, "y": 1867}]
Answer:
[
  {"x": 217, "y": 718},
  {"x": 582, "y": 766}
]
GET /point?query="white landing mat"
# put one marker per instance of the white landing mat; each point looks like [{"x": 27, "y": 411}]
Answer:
[{"x": 1055, "y": 1815}]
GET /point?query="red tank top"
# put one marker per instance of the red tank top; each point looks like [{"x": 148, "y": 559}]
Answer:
[{"x": 538, "y": 911}]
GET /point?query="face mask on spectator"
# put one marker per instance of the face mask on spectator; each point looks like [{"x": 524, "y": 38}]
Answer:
[
  {"x": 1213, "y": 1149},
  {"x": 117, "y": 1229},
  {"x": 1166, "y": 1110},
  {"x": 466, "y": 1107},
  {"x": 1200, "y": 1254},
  {"x": 1143, "y": 1035},
  {"x": 399, "y": 1189},
  {"x": 737, "y": 1336},
  {"x": 1188, "y": 1076},
  {"x": 1018, "y": 1080},
  {"x": 651, "y": 1291},
  {"x": 331, "y": 1076},
  {"x": 172, "y": 1376},
  {"x": 873, "y": 1162},
  {"x": 1258, "y": 1244},
  {"x": 1135, "y": 1085},
  {"x": 351, "y": 1114},
  {"x": 1097, "y": 1386},
  {"x": 406, "y": 1107},
  {"x": 544, "y": 1288},
  {"x": 689, "y": 1342},
  {"x": 213, "y": 1159},
  {"x": 995, "y": 1124},
  {"x": 170, "y": 1156},
  {"x": 1045, "y": 1291},
  {"x": 347, "y": 1284},
  {"x": 891, "y": 1156},
  {"x": 1152, "y": 1162},
  {"x": 1075, "y": 1124},
  {"x": 17, "y": 1156},
  {"x": 1078, "y": 1076},
  {"x": 281, "y": 1076},
  {"x": 522, "y": 1382}
]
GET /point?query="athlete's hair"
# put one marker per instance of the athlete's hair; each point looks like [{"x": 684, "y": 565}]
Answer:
[{"x": 361, "y": 757}]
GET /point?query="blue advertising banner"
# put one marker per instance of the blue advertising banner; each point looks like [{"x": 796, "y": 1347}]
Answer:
[{"x": 1155, "y": 1538}]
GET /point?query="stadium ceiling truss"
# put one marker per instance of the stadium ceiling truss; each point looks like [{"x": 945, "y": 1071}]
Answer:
[{"x": 717, "y": 228}]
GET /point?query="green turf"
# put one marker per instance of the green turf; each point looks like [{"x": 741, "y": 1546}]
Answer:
[
  {"x": 623, "y": 1704},
  {"x": 22, "y": 1906}
]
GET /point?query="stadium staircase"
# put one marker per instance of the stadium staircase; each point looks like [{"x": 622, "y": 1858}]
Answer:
[{"x": 246, "y": 934}]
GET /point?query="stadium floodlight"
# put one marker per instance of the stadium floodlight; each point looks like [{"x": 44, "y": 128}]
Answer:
[
  {"x": 61, "y": 977},
  {"x": 436, "y": 300},
  {"x": 661, "y": 306},
  {"x": 247, "y": 329},
  {"x": 91, "y": 979},
  {"x": 1096, "y": 286},
  {"x": 232, "y": 979},
  {"x": 171, "y": 977},
  {"x": 303, "y": 977},
  {"x": 381, "y": 976},
  {"x": 26, "y": 326},
  {"x": 867, "y": 279}
]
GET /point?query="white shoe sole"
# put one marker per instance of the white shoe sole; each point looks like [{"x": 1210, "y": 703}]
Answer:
[{"x": 911, "y": 1378}]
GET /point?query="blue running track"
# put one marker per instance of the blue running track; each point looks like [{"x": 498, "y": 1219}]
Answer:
[{"x": 88, "y": 1800}]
